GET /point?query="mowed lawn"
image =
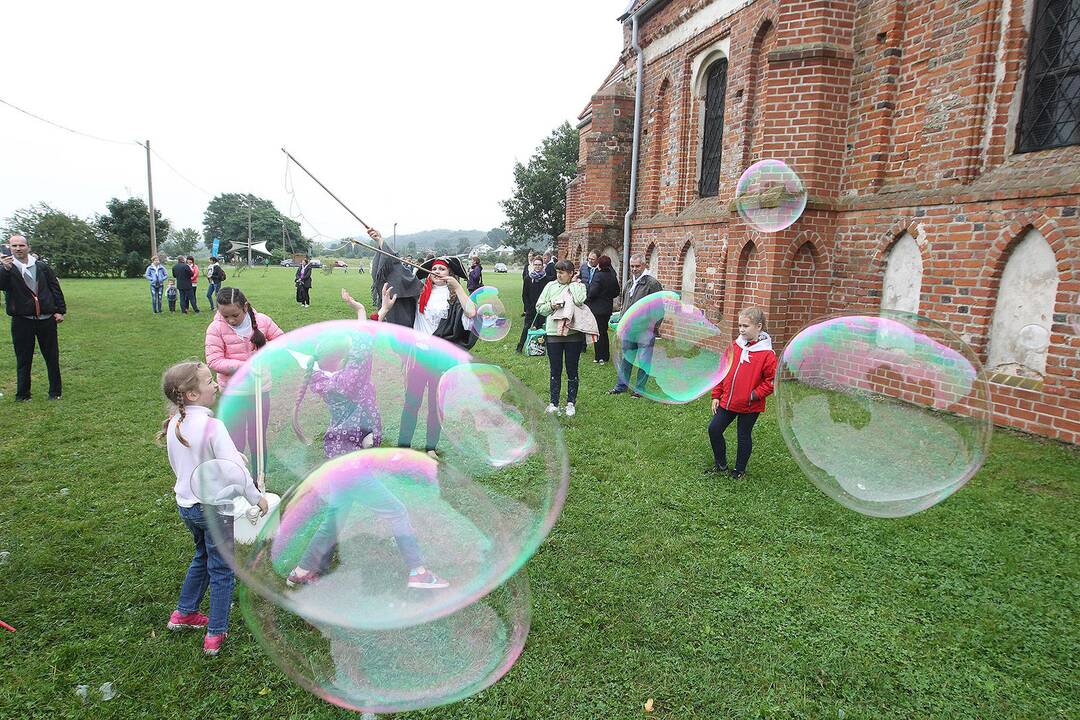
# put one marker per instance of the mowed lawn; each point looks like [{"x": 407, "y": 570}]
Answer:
[{"x": 717, "y": 599}]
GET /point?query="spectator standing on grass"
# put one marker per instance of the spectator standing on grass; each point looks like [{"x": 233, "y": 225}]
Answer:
[
  {"x": 194, "y": 283},
  {"x": 171, "y": 294},
  {"x": 549, "y": 264},
  {"x": 35, "y": 302},
  {"x": 525, "y": 279},
  {"x": 303, "y": 283},
  {"x": 640, "y": 284},
  {"x": 215, "y": 276},
  {"x": 588, "y": 268},
  {"x": 476, "y": 275},
  {"x": 535, "y": 282},
  {"x": 740, "y": 396},
  {"x": 603, "y": 288},
  {"x": 156, "y": 274},
  {"x": 569, "y": 323},
  {"x": 182, "y": 272}
]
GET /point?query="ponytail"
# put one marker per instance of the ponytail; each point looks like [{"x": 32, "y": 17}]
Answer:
[{"x": 257, "y": 337}]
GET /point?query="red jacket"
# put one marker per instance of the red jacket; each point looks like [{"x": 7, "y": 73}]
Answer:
[{"x": 753, "y": 371}]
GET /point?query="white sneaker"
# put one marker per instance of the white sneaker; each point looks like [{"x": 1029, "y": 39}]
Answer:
[
  {"x": 552, "y": 409},
  {"x": 570, "y": 410}
]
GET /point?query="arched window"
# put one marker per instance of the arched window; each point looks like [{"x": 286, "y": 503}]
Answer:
[
  {"x": 1020, "y": 333},
  {"x": 903, "y": 276},
  {"x": 616, "y": 258},
  {"x": 1050, "y": 114},
  {"x": 689, "y": 275},
  {"x": 654, "y": 261},
  {"x": 712, "y": 140}
]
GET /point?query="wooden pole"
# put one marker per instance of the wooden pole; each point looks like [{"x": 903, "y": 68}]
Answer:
[{"x": 150, "y": 196}]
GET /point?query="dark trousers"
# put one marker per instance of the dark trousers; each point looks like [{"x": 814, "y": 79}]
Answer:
[
  {"x": 418, "y": 382},
  {"x": 303, "y": 295},
  {"x": 172, "y": 303},
  {"x": 187, "y": 298},
  {"x": 193, "y": 295},
  {"x": 24, "y": 332},
  {"x": 744, "y": 427},
  {"x": 602, "y": 348},
  {"x": 556, "y": 351}
]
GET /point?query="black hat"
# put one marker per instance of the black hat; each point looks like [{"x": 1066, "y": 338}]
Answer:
[{"x": 453, "y": 263}]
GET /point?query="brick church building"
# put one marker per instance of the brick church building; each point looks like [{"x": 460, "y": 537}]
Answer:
[{"x": 939, "y": 142}]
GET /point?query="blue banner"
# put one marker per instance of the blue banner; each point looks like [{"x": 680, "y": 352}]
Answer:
[{"x": 217, "y": 244}]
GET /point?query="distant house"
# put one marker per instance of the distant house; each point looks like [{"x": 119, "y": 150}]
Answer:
[
  {"x": 505, "y": 250},
  {"x": 483, "y": 249}
]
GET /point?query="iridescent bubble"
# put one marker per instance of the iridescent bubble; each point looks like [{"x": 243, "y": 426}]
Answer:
[
  {"x": 357, "y": 519},
  {"x": 672, "y": 343},
  {"x": 388, "y": 671},
  {"x": 491, "y": 322},
  {"x": 1034, "y": 338},
  {"x": 887, "y": 414},
  {"x": 220, "y": 485},
  {"x": 485, "y": 415},
  {"x": 770, "y": 196}
]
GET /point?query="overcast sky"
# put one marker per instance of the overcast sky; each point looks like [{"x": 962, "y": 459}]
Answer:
[{"x": 412, "y": 112}]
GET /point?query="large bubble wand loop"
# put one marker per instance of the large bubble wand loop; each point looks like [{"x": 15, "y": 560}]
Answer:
[{"x": 349, "y": 210}]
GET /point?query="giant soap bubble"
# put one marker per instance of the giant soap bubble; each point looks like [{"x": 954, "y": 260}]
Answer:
[
  {"x": 675, "y": 345},
  {"x": 770, "y": 196},
  {"x": 386, "y": 671},
  {"x": 888, "y": 414},
  {"x": 370, "y": 536},
  {"x": 491, "y": 322}
]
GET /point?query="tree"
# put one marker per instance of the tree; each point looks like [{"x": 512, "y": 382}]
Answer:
[
  {"x": 462, "y": 245},
  {"x": 538, "y": 205},
  {"x": 70, "y": 245},
  {"x": 226, "y": 217},
  {"x": 183, "y": 242},
  {"x": 497, "y": 237},
  {"x": 128, "y": 221}
]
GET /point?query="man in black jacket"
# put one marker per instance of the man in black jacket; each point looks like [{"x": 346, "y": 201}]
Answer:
[
  {"x": 36, "y": 304},
  {"x": 182, "y": 272}
]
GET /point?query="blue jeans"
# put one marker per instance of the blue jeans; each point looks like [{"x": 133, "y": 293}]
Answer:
[
  {"x": 155, "y": 297},
  {"x": 211, "y": 291},
  {"x": 642, "y": 355},
  {"x": 208, "y": 568},
  {"x": 373, "y": 495}
]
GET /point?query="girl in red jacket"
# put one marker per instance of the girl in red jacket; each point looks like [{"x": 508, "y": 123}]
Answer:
[{"x": 740, "y": 396}]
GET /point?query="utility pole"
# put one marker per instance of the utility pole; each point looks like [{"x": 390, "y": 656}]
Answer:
[
  {"x": 150, "y": 195},
  {"x": 249, "y": 232}
]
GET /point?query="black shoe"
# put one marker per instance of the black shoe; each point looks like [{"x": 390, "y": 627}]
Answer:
[
  {"x": 54, "y": 397},
  {"x": 737, "y": 474},
  {"x": 717, "y": 469},
  {"x": 635, "y": 395},
  {"x": 22, "y": 399},
  {"x": 615, "y": 391}
]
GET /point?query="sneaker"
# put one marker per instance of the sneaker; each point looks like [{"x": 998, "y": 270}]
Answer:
[
  {"x": 55, "y": 397},
  {"x": 552, "y": 409},
  {"x": 737, "y": 474},
  {"x": 718, "y": 469},
  {"x": 426, "y": 580},
  {"x": 211, "y": 644},
  {"x": 635, "y": 395},
  {"x": 616, "y": 391},
  {"x": 297, "y": 578},
  {"x": 602, "y": 362},
  {"x": 191, "y": 621},
  {"x": 570, "y": 410},
  {"x": 433, "y": 454}
]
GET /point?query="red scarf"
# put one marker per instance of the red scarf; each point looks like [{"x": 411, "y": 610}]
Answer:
[{"x": 425, "y": 294}]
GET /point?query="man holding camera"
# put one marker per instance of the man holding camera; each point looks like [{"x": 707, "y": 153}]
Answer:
[{"x": 36, "y": 305}]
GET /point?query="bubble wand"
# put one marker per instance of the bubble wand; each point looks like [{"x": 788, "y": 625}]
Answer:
[
  {"x": 349, "y": 210},
  {"x": 6, "y": 626},
  {"x": 260, "y": 439}
]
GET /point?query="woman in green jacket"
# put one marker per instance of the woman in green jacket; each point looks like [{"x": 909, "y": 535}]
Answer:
[{"x": 566, "y": 288}]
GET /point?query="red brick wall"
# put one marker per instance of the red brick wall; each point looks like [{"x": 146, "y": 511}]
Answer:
[{"x": 899, "y": 116}]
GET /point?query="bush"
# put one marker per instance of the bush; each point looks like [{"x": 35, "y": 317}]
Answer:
[{"x": 134, "y": 265}]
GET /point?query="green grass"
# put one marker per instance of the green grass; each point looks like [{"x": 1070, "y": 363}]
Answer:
[{"x": 757, "y": 599}]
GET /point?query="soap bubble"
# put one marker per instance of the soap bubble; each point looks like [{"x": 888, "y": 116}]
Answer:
[
  {"x": 361, "y": 513},
  {"x": 887, "y": 414},
  {"x": 483, "y": 409},
  {"x": 491, "y": 322},
  {"x": 680, "y": 350},
  {"x": 770, "y": 196},
  {"x": 220, "y": 484},
  {"x": 388, "y": 671},
  {"x": 1034, "y": 338}
]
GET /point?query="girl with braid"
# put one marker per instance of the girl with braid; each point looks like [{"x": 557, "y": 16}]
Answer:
[
  {"x": 234, "y": 335},
  {"x": 193, "y": 436}
]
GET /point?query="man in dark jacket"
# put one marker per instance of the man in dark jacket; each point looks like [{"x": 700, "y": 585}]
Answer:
[
  {"x": 36, "y": 305},
  {"x": 588, "y": 269},
  {"x": 303, "y": 283},
  {"x": 549, "y": 264},
  {"x": 183, "y": 274},
  {"x": 535, "y": 282},
  {"x": 638, "y": 285},
  {"x": 603, "y": 288}
]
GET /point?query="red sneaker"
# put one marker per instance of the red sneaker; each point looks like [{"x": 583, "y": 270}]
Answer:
[
  {"x": 191, "y": 621},
  {"x": 211, "y": 644},
  {"x": 427, "y": 580}
]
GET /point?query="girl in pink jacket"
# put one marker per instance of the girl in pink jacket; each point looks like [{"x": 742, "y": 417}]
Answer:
[{"x": 234, "y": 335}]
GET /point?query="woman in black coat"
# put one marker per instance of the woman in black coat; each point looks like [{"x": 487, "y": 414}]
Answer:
[{"x": 603, "y": 289}]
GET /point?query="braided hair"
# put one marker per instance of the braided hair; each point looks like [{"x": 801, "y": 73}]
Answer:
[
  {"x": 176, "y": 382},
  {"x": 233, "y": 296}
]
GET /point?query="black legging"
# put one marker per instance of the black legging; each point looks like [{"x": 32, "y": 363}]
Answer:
[
  {"x": 602, "y": 348},
  {"x": 744, "y": 428},
  {"x": 555, "y": 353}
]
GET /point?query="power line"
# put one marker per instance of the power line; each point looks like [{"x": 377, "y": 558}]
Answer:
[
  {"x": 178, "y": 173},
  {"x": 66, "y": 128}
]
